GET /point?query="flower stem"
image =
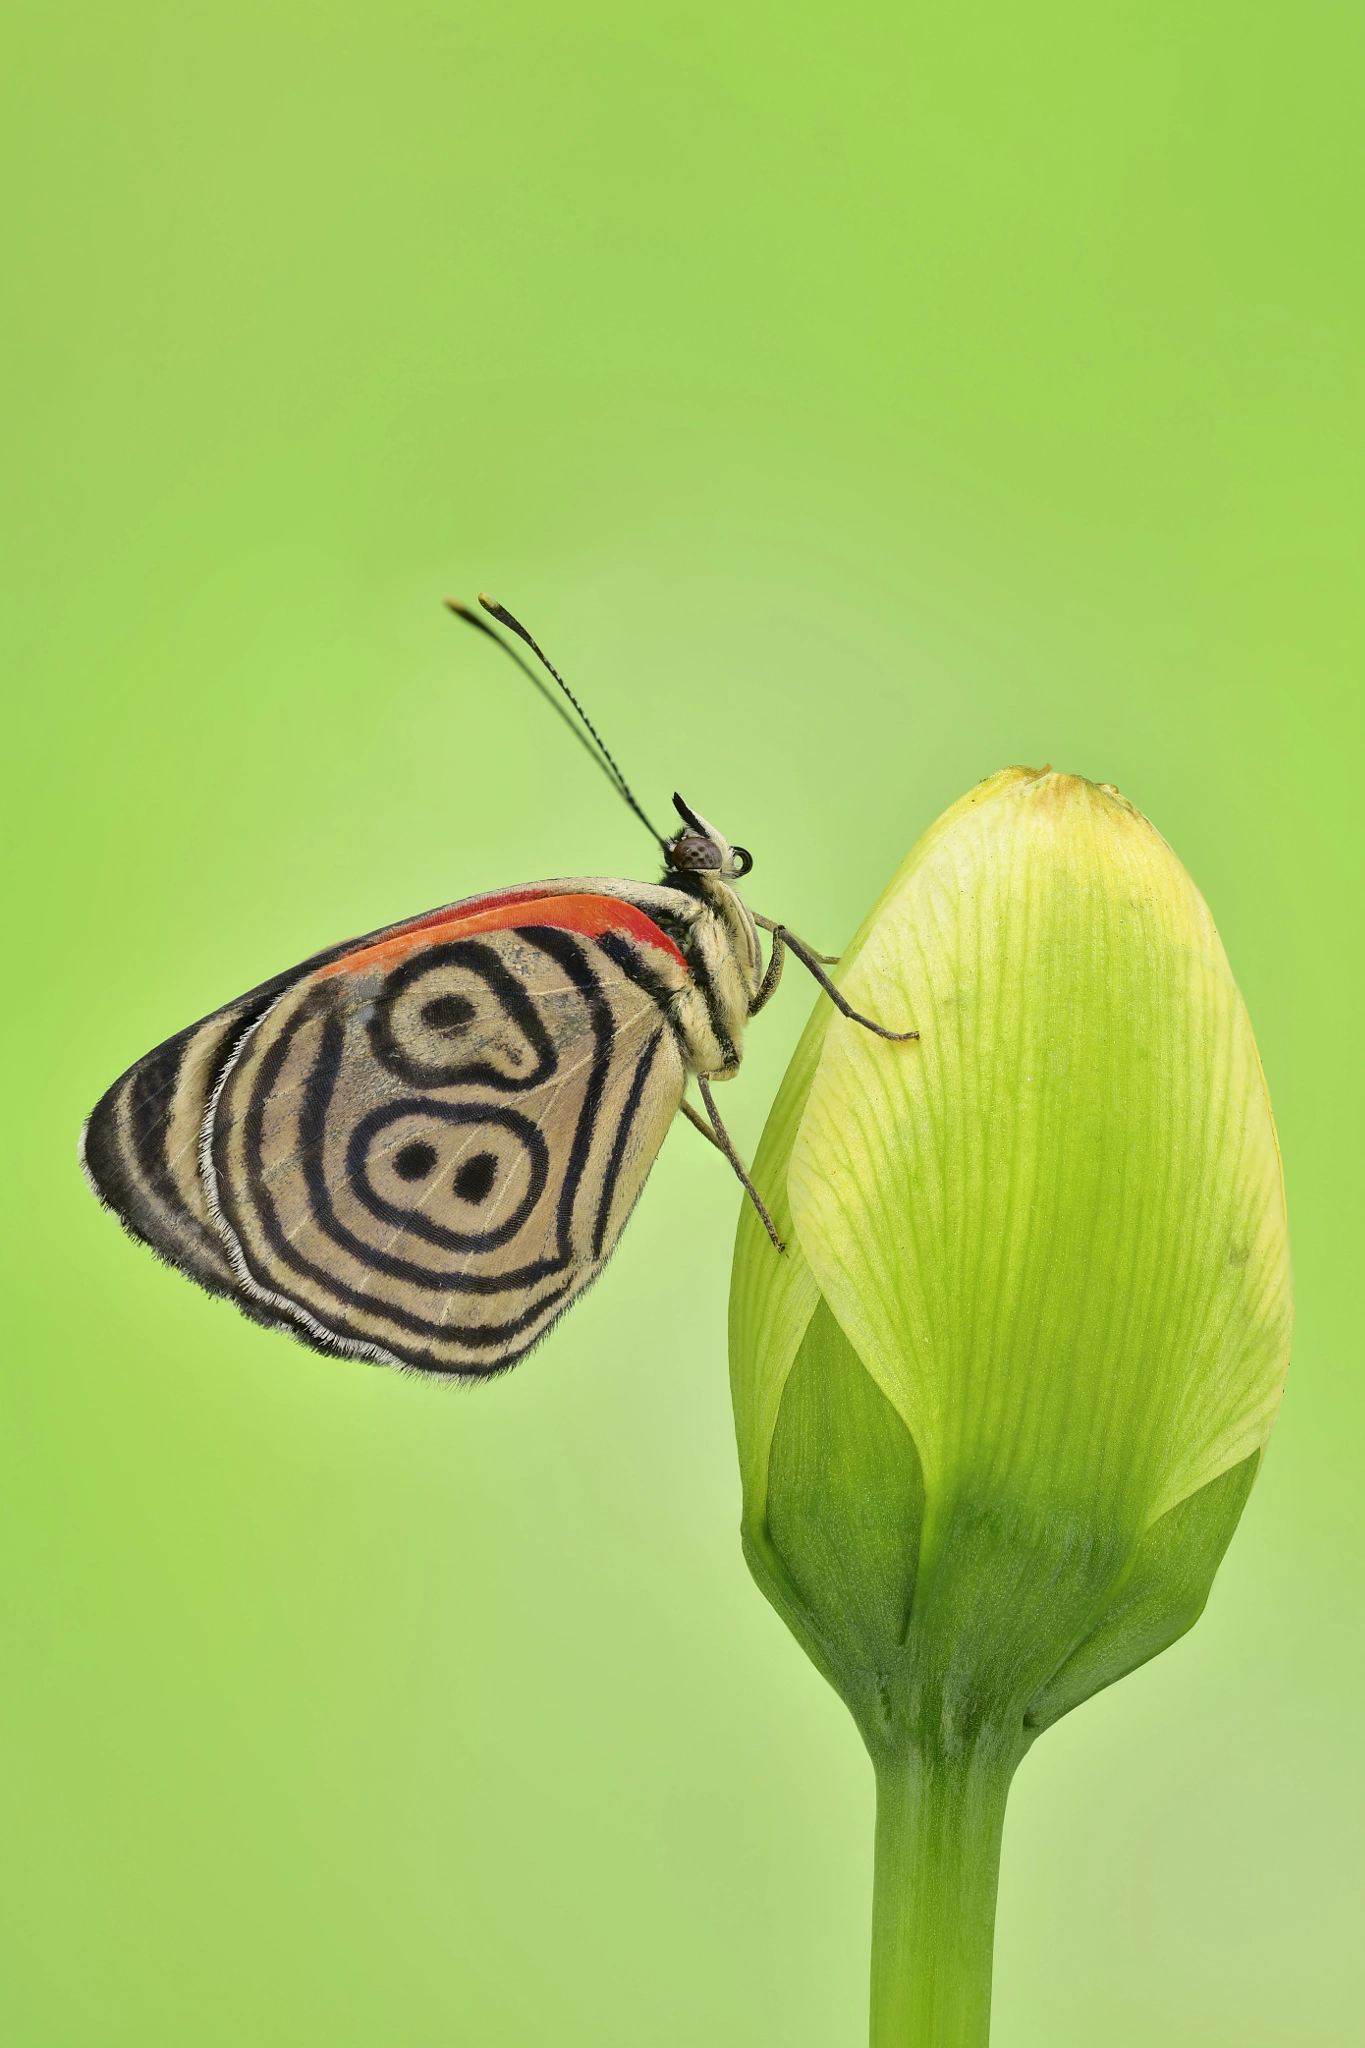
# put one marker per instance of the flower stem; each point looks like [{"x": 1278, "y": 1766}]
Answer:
[{"x": 939, "y": 1824}]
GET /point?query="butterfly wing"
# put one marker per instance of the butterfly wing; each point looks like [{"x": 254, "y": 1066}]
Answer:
[
  {"x": 422, "y": 1148},
  {"x": 140, "y": 1144}
]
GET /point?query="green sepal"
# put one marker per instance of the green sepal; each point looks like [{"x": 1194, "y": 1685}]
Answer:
[
  {"x": 838, "y": 1555},
  {"x": 839, "y": 1550},
  {"x": 1162, "y": 1596}
]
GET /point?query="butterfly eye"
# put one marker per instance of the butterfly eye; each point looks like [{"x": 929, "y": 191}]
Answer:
[
  {"x": 693, "y": 853},
  {"x": 744, "y": 861}
]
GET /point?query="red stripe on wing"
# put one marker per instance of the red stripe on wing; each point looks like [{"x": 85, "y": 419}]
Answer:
[
  {"x": 590, "y": 915},
  {"x": 474, "y": 906}
]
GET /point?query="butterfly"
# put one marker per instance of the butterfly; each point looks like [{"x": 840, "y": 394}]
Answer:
[{"x": 421, "y": 1145}]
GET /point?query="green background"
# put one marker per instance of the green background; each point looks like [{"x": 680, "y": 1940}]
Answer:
[{"x": 855, "y": 401}]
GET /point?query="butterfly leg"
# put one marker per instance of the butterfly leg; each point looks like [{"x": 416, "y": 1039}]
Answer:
[
  {"x": 811, "y": 961},
  {"x": 772, "y": 974},
  {"x": 699, "y": 1123},
  {"x": 782, "y": 939},
  {"x": 720, "y": 1138}
]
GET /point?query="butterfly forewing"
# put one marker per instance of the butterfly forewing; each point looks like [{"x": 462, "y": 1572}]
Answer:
[{"x": 425, "y": 1150}]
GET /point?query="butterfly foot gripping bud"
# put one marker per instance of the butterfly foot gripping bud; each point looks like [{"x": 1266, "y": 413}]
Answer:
[{"x": 1001, "y": 1404}]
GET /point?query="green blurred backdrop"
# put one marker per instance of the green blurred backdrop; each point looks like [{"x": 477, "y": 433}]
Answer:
[{"x": 854, "y": 400}]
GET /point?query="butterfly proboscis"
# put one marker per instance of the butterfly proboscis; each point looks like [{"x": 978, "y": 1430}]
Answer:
[{"x": 421, "y": 1145}]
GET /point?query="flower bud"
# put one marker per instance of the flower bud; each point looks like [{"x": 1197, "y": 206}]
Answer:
[{"x": 1002, "y": 1398}]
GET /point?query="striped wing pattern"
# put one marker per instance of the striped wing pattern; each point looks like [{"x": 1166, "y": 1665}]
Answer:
[
  {"x": 140, "y": 1145},
  {"x": 419, "y": 1148}
]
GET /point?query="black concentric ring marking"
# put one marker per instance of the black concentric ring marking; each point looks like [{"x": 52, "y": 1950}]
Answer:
[
  {"x": 318, "y": 1092},
  {"x": 486, "y": 1336},
  {"x": 643, "y": 1067},
  {"x": 510, "y": 994},
  {"x": 481, "y": 1114},
  {"x": 150, "y": 1096},
  {"x": 572, "y": 958},
  {"x": 420, "y": 1338},
  {"x": 126, "y": 1134},
  {"x": 317, "y": 1102},
  {"x": 628, "y": 958}
]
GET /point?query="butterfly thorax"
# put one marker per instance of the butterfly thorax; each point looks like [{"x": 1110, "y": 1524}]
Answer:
[{"x": 712, "y": 928}]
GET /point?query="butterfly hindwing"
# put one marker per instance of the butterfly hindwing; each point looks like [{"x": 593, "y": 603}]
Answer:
[
  {"x": 425, "y": 1150},
  {"x": 140, "y": 1145}
]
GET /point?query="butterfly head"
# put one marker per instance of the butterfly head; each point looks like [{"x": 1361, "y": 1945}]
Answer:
[{"x": 700, "y": 850}]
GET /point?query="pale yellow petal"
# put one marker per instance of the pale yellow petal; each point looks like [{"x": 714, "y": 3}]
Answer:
[{"x": 1054, "y": 1228}]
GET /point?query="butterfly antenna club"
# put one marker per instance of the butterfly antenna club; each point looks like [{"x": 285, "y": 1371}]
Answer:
[
  {"x": 556, "y": 704},
  {"x": 588, "y": 739},
  {"x": 514, "y": 625}
]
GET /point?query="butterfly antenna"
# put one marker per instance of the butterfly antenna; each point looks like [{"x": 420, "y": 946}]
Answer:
[
  {"x": 602, "y": 753},
  {"x": 471, "y": 618}
]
